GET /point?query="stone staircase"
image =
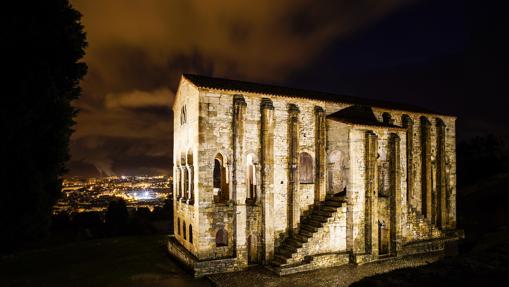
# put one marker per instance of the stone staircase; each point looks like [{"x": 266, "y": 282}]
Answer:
[
  {"x": 420, "y": 227},
  {"x": 294, "y": 250}
]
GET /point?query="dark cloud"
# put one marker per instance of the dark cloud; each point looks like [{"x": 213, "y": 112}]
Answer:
[{"x": 138, "y": 49}]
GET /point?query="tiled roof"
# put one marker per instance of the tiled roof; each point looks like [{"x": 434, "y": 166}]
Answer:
[
  {"x": 359, "y": 115},
  {"x": 249, "y": 87}
]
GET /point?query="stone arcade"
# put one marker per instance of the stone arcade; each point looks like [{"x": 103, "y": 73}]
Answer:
[{"x": 298, "y": 180}]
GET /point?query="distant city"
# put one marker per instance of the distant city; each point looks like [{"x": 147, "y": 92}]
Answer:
[{"x": 94, "y": 194}]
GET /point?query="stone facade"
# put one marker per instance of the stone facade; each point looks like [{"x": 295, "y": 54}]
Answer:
[{"x": 297, "y": 183}]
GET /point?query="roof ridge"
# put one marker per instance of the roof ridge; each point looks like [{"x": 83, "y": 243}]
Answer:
[{"x": 272, "y": 89}]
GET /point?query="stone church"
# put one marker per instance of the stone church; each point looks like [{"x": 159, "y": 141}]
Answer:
[{"x": 298, "y": 180}]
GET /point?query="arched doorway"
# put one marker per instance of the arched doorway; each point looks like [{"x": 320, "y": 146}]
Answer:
[{"x": 252, "y": 249}]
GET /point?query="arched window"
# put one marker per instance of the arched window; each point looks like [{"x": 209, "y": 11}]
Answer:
[
  {"x": 190, "y": 157},
  {"x": 190, "y": 233},
  {"x": 183, "y": 115},
  {"x": 184, "y": 229},
  {"x": 221, "y": 238},
  {"x": 220, "y": 180},
  {"x": 191, "y": 175},
  {"x": 387, "y": 119},
  {"x": 178, "y": 226},
  {"x": 183, "y": 175},
  {"x": 251, "y": 177},
  {"x": 185, "y": 180},
  {"x": 306, "y": 168}
]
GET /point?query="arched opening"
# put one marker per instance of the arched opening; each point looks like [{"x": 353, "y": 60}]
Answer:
[
  {"x": 183, "y": 176},
  {"x": 251, "y": 179},
  {"x": 183, "y": 158},
  {"x": 336, "y": 173},
  {"x": 190, "y": 157},
  {"x": 306, "y": 168},
  {"x": 383, "y": 238},
  {"x": 191, "y": 175},
  {"x": 252, "y": 252},
  {"x": 191, "y": 233},
  {"x": 221, "y": 238},
  {"x": 183, "y": 115},
  {"x": 185, "y": 188},
  {"x": 387, "y": 119},
  {"x": 184, "y": 229},
  {"x": 220, "y": 179}
]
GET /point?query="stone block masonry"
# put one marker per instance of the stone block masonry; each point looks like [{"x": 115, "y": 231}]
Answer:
[{"x": 298, "y": 180}]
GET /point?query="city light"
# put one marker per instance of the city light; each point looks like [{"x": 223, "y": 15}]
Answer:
[{"x": 94, "y": 194}]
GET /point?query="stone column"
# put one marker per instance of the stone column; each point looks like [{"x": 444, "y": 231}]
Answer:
[
  {"x": 293, "y": 164},
  {"x": 426, "y": 168},
  {"x": 395, "y": 197},
  {"x": 267, "y": 177},
  {"x": 441, "y": 176},
  {"x": 320, "y": 155},
  {"x": 176, "y": 181},
  {"x": 238, "y": 178},
  {"x": 408, "y": 123},
  {"x": 371, "y": 195}
]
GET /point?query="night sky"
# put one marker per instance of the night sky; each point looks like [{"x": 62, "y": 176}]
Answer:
[{"x": 436, "y": 54}]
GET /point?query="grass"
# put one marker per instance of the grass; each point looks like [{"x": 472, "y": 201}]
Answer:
[
  {"x": 485, "y": 265},
  {"x": 120, "y": 261}
]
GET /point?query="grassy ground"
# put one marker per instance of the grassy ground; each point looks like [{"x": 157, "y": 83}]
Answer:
[
  {"x": 485, "y": 265},
  {"x": 120, "y": 261},
  {"x": 484, "y": 256}
]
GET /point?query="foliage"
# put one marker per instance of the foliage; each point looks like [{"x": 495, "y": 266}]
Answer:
[
  {"x": 117, "y": 217},
  {"x": 481, "y": 157},
  {"x": 44, "y": 43}
]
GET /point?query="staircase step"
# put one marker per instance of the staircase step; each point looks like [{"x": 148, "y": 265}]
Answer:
[
  {"x": 323, "y": 213},
  {"x": 333, "y": 203},
  {"x": 310, "y": 224},
  {"x": 282, "y": 259},
  {"x": 295, "y": 242},
  {"x": 335, "y": 198},
  {"x": 300, "y": 237},
  {"x": 328, "y": 208},
  {"x": 320, "y": 218},
  {"x": 278, "y": 262},
  {"x": 290, "y": 247},
  {"x": 315, "y": 223},
  {"x": 284, "y": 252},
  {"x": 309, "y": 228},
  {"x": 306, "y": 233}
]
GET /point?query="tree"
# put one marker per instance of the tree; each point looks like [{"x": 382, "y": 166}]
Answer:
[
  {"x": 44, "y": 43},
  {"x": 481, "y": 157},
  {"x": 117, "y": 217}
]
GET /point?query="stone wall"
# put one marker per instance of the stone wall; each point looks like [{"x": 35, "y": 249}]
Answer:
[
  {"x": 415, "y": 195},
  {"x": 331, "y": 238},
  {"x": 215, "y": 137},
  {"x": 185, "y": 146},
  {"x": 231, "y": 124}
]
